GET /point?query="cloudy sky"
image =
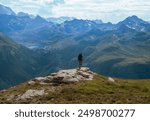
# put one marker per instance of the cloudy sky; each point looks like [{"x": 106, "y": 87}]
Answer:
[{"x": 106, "y": 10}]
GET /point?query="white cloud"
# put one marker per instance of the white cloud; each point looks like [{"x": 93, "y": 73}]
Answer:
[
  {"x": 110, "y": 10},
  {"x": 42, "y": 7},
  {"x": 107, "y": 10}
]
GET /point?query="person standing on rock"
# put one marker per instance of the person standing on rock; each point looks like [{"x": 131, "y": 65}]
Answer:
[{"x": 80, "y": 60}]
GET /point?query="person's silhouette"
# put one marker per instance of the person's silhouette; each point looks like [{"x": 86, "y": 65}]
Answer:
[{"x": 80, "y": 60}]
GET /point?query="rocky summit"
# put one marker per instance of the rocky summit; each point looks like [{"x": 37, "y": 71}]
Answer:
[
  {"x": 65, "y": 76},
  {"x": 54, "y": 81},
  {"x": 74, "y": 86}
]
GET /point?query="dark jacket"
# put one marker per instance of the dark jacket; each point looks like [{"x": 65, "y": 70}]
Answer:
[{"x": 80, "y": 57}]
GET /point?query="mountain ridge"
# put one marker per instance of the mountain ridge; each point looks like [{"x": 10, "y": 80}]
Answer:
[{"x": 6, "y": 10}]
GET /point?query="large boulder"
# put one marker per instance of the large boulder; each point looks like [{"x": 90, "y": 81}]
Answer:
[
  {"x": 31, "y": 93},
  {"x": 31, "y": 82},
  {"x": 69, "y": 79},
  {"x": 47, "y": 79},
  {"x": 39, "y": 79},
  {"x": 83, "y": 74}
]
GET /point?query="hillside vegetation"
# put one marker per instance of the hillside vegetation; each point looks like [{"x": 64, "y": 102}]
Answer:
[{"x": 96, "y": 91}]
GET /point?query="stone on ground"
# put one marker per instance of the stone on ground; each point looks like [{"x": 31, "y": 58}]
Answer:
[
  {"x": 111, "y": 80},
  {"x": 31, "y": 93}
]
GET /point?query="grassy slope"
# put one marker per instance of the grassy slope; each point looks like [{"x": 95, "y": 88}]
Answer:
[{"x": 97, "y": 91}]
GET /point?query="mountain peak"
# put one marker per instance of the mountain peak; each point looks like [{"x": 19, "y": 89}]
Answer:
[
  {"x": 22, "y": 14},
  {"x": 67, "y": 76},
  {"x": 6, "y": 10},
  {"x": 133, "y": 23},
  {"x": 133, "y": 18},
  {"x": 98, "y": 21},
  {"x": 39, "y": 19}
]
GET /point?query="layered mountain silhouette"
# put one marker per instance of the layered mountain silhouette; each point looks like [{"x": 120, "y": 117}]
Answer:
[{"x": 117, "y": 50}]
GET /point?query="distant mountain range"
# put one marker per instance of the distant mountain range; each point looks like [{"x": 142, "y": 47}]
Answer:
[
  {"x": 118, "y": 50},
  {"x": 60, "y": 19}
]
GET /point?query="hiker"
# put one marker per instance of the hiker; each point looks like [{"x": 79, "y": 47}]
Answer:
[{"x": 80, "y": 60}]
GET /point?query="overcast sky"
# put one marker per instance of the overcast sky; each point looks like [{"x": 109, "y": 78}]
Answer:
[{"x": 106, "y": 10}]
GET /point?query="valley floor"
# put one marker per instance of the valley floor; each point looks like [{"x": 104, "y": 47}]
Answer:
[{"x": 97, "y": 91}]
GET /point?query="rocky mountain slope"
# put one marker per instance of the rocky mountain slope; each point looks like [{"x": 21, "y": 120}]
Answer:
[{"x": 78, "y": 86}]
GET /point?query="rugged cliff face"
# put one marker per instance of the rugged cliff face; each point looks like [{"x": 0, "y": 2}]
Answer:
[{"x": 78, "y": 86}]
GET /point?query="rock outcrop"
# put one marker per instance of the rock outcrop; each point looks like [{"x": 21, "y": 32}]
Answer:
[
  {"x": 62, "y": 76},
  {"x": 65, "y": 76},
  {"x": 31, "y": 93},
  {"x": 110, "y": 80}
]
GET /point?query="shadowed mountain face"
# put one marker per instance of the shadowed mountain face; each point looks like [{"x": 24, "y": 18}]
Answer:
[
  {"x": 118, "y": 50},
  {"x": 17, "y": 63}
]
